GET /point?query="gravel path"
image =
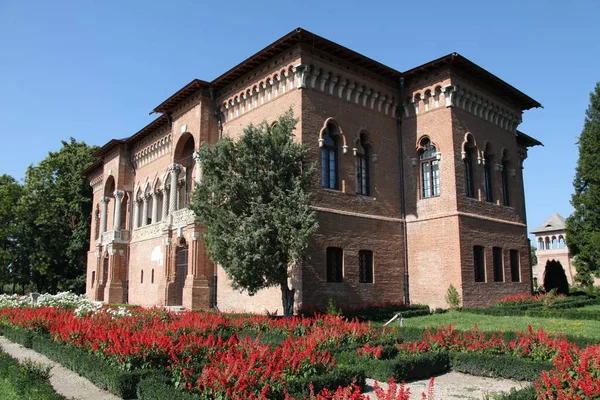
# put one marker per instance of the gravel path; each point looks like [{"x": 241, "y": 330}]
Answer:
[
  {"x": 64, "y": 381},
  {"x": 456, "y": 385}
]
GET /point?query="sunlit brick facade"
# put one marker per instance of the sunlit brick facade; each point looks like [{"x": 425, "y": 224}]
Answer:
[{"x": 420, "y": 183}]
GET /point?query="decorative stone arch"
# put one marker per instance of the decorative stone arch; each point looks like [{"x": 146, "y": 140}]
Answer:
[
  {"x": 419, "y": 146},
  {"x": 339, "y": 133},
  {"x": 468, "y": 142},
  {"x": 109, "y": 186},
  {"x": 365, "y": 133}
]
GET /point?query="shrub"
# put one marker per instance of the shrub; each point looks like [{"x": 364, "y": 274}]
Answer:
[
  {"x": 27, "y": 381},
  {"x": 527, "y": 393},
  {"x": 504, "y": 366},
  {"x": 452, "y": 297},
  {"x": 341, "y": 376},
  {"x": 159, "y": 387}
]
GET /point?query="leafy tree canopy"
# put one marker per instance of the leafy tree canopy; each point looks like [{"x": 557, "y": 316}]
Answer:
[
  {"x": 583, "y": 226},
  {"x": 254, "y": 202}
]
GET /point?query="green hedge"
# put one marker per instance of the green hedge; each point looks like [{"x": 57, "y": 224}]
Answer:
[
  {"x": 527, "y": 393},
  {"x": 503, "y": 366},
  {"x": 24, "y": 380},
  {"x": 562, "y": 308},
  {"x": 98, "y": 371},
  {"x": 401, "y": 367},
  {"x": 159, "y": 387},
  {"x": 340, "y": 376}
]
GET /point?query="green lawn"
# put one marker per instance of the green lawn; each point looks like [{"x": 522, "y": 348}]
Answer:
[{"x": 465, "y": 321}]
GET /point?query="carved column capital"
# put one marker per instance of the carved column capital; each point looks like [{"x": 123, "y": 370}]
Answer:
[
  {"x": 119, "y": 194},
  {"x": 105, "y": 199},
  {"x": 174, "y": 167}
]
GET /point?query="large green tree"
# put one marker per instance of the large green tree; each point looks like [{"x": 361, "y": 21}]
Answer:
[
  {"x": 10, "y": 193},
  {"x": 254, "y": 201},
  {"x": 583, "y": 226},
  {"x": 54, "y": 217}
]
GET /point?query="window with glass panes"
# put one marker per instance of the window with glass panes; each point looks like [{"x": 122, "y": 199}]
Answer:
[
  {"x": 335, "y": 259},
  {"x": 479, "y": 263},
  {"x": 362, "y": 173},
  {"x": 487, "y": 178},
  {"x": 505, "y": 193},
  {"x": 430, "y": 172},
  {"x": 498, "y": 264},
  {"x": 469, "y": 179},
  {"x": 329, "y": 159},
  {"x": 365, "y": 263},
  {"x": 515, "y": 270}
]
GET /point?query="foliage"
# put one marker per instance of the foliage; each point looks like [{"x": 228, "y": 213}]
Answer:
[
  {"x": 382, "y": 311},
  {"x": 503, "y": 366},
  {"x": 254, "y": 202},
  {"x": 47, "y": 222},
  {"x": 25, "y": 381},
  {"x": 555, "y": 278},
  {"x": 452, "y": 297},
  {"x": 10, "y": 193},
  {"x": 532, "y": 251},
  {"x": 332, "y": 308},
  {"x": 583, "y": 226}
]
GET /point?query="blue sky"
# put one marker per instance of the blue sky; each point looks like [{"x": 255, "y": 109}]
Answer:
[{"x": 93, "y": 70}]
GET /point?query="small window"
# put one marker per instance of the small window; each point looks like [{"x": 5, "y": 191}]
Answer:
[
  {"x": 505, "y": 190},
  {"x": 498, "y": 267},
  {"x": 335, "y": 257},
  {"x": 487, "y": 178},
  {"x": 515, "y": 271},
  {"x": 93, "y": 277},
  {"x": 365, "y": 259},
  {"x": 142, "y": 277},
  {"x": 479, "y": 261},
  {"x": 469, "y": 177},
  {"x": 362, "y": 173},
  {"x": 152, "y": 276},
  {"x": 329, "y": 160},
  {"x": 430, "y": 173}
]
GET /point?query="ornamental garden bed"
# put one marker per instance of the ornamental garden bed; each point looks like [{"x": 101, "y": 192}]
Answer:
[{"x": 151, "y": 353}]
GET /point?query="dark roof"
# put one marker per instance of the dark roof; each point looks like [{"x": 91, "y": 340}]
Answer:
[
  {"x": 181, "y": 94},
  {"x": 556, "y": 222},
  {"x": 297, "y": 36},
  {"x": 108, "y": 147},
  {"x": 519, "y": 98},
  {"x": 527, "y": 140},
  {"x": 95, "y": 165}
]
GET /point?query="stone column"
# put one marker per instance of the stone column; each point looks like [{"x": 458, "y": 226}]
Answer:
[
  {"x": 104, "y": 201},
  {"x": 117, "y": 217},
  {"x": 145, "y": 210},
  {"x": 154, "y": 207},
  {"x": 174, "y": 171},
  {"x": 136, "y": 213},
  {"x": 165, "y": 204},
  {"x": 198, "y": 167}
]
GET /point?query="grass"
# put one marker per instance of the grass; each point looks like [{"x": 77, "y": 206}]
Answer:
[
  {"x": 24, "y": 381},
  {"x": 466, "y": 321},
  {"x": 595, "y": 307}
]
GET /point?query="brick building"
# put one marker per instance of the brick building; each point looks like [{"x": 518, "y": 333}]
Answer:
[{"x": 421, "y": 183}]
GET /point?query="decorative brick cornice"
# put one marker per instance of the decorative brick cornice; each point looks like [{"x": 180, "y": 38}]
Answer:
[
  {"x": 152, "y": 151},
  {"x": 96, "y": 183}
]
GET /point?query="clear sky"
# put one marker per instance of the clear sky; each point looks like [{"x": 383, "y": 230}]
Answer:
[{"x": 93, "y": 70}]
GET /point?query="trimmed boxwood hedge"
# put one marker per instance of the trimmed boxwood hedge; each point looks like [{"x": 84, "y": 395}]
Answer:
[
  {"x": 527, "y": 393},
  {"x": 562, "y": 308},
  {"x": 25, "y": 382},
  {"x": 340, "y": 376},
  {"x": 503, "y": 366},
  {"x": 159, "y": 387},
  {"x": 98, "y": 371}
]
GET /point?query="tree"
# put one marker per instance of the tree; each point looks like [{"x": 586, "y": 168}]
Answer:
[
  {"x": 10, "y": 193},
  {"x": 533, "y": 256},
  {"x": 254, "y": 202},
  {"x": 54, "y": 219},
  {"x": 583, "y": 226}
]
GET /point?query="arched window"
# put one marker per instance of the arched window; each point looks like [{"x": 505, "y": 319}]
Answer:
[
  {"x": 561, "y": 242},
  {"x": 487, "y": 176},
  {"x": 547, "y": 246},
  {"x": 469, "y": 173},
  {"x": 147, "y": 219},
  {"x": 540, "y": 244},
  {"x": 430, "y": 173},
  {"x": 329, "y": 162},
  {"x": 362, "y": 174},
  {"x": 554, "y": 243},
  {"x": 504, "y": 175}
]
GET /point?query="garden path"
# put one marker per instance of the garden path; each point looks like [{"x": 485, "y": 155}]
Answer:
[
  {"x": 63, "y": 380},
  {"x": 455, "y": 386}
]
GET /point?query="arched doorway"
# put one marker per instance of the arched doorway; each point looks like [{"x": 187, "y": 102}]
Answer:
[
  {"x": 181, "y": 271},
  {"x": 555, "y": 277},
  {"x": 184, "y": 155}
]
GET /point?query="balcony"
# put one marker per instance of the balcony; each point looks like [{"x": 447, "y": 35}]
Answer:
[{"x": 116, "y": 236}]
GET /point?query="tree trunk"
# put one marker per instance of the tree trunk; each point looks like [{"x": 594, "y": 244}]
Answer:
[{"x": 287, "y": 298}]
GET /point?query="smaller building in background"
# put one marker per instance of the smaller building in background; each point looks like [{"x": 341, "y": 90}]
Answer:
[{"x": 550, "y": 239}]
